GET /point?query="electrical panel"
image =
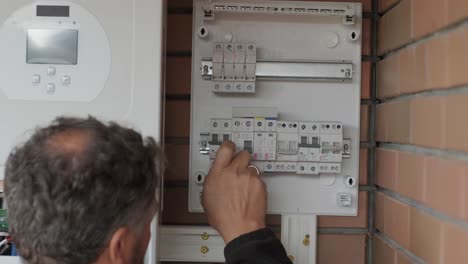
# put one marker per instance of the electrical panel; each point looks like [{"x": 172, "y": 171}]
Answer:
[{"x": 281, "y": 79}]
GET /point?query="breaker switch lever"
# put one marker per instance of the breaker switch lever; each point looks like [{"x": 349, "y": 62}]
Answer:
[{"x": 346, "y": 148}]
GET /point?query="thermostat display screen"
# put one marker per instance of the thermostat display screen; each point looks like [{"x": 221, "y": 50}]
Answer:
[
  {"x": 53, "y": 11},
  {"x": 52, "y": 46}
]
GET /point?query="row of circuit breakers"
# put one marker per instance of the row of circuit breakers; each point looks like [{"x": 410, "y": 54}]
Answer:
[{"x": 308, "y": 148}]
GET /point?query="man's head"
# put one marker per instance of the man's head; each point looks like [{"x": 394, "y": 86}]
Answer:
[{"x": 80, "y": 191}]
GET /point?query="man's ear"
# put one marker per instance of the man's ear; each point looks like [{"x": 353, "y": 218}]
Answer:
[{"x": 121, "y": 246}]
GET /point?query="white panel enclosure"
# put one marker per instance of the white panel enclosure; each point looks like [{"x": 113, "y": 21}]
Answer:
[{"x": 285, "y": 62}]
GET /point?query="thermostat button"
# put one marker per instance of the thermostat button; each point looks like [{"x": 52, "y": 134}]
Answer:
[
  {"x": 50, "y": 88},
  {"x": 66, "y": 80},
  {"x": 36, "y": 79},
  {"x": 51, "y": 71}
]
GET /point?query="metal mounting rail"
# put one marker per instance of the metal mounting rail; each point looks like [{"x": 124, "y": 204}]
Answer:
[{"x": 272, "y": 70}]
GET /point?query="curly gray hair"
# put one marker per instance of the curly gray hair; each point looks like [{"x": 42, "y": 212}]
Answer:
[{"x": 74, "y": 183}]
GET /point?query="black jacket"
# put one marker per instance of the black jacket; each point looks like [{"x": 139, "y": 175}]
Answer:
[{"x": 258, "y": 247}]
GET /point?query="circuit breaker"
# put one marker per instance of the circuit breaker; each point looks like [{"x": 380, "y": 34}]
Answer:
[{"x": 281, "y": 79}]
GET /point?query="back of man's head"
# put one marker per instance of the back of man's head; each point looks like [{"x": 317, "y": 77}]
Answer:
[{"x": 73, "y": 184}]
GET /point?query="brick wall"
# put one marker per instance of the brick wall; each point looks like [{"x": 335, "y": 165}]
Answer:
[
  {"x": 421, "y": 207},
  {"x": 331, "y": 239}
]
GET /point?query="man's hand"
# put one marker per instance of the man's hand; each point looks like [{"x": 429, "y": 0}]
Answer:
[{"x": 234, "y": 196}]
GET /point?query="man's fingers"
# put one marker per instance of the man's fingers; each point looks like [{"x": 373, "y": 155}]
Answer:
[
  {"x": 241, "y": 161},
  {"x": 224, "y": 155}
]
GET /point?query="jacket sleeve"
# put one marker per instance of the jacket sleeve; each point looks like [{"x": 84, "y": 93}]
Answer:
[{"x": 258, "y": 247}]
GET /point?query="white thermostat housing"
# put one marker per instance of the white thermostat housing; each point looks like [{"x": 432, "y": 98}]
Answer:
[
  {"x": 53, "y": 51},
  {"x": 80, "y": 58},
  {"x": 281, "y": 79}
]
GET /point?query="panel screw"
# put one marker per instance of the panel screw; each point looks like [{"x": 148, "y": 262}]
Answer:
[
  {"x": 291, "y": 258},
  {"x": 204, "y": 249},
  {"x": 205, "y": 236},
  {"x": 306, "y": 241}
]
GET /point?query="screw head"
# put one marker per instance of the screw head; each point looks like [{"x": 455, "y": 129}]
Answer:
[
  {"x": 205, "y": 236},
  {"x": 204, "y": 249}
]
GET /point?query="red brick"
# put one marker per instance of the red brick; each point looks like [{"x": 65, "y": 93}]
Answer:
[
  {"x": 363, "y": 166},
  {"x": 437, "y": 63},
  {"x": 366, "y": 36},
  {"x": 366, "y": 80},
  {"x": 410, "y": 177},
  {"x": 458, "y": 56},
  {"x": 395, "y": 27},
  {"x": 397, "y": 221},
  {"x": 179, "y": 33},
  {"x": 445, "y": 188},
  {"x": 359, "y": 221},
  {"x": 429, "y": 16},
  {"x": 465, "y": 195},
  {"x": 386, "y": 168},
  {"x": 385, "y": 4},
  {"x": 425, "y": 236},
  {"x": 364, "y": 122},
  {"x": 403, "y": 259},
  {"x": 379, "y": 211},
  {"x": 398, "y": 128},
  {"x": 427, "y": 115},
  {"x": 421, "y": 68},
  {"x": 456, "y": 125},
  {"x": 457, "y": 10},
  {"x": 454, "y": 242},
  {"x": 387, "y": 77},
  {"x": 177, "y": 119},
  {"x": 177, "y": 162},
  {"x": 383, "y": 252},
  {"x": 407, "y": 70},
  {"x": 178, "y": 75},
  {"x": 381, "y": 125},
  {"x": 349, "y": 249}
]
